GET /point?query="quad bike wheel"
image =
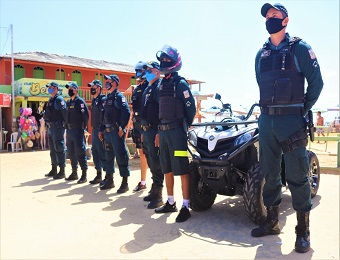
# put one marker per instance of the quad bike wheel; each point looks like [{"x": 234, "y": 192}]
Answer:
[
  {"x": 252, "y": 195},
  {"x": 201, "y": 196},
  {"x": 314, "y": 173}
]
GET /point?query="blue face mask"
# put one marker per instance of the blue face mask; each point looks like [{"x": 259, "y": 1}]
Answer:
[
  {"x": 149, "y": 76},
  {"x": 108, "y": 85},
  {"x": 50, "y": 91}
]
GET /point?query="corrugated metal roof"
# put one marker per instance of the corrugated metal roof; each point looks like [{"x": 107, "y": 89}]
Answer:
[{"x": 71, "y": 61}]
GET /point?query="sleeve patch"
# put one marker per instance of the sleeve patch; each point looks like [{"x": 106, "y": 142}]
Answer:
[
  {"x": 186, "y": 93},
  {"x": 82, "y": 105},
  {"x": 312, "y": 54},
  {"x": 62, "y": 103}
]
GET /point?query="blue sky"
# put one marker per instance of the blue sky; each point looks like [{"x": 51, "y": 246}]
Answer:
[{"x": 218, "y": 40}]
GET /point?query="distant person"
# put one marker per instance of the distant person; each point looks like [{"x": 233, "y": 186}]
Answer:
[
  {"x": 116, "y": 115},
  {"x": 77, "y": 119},
  {"x": 98, "y": 150},
  {"x": 320, "y": 122},
  {"x": 282, "y": 65},
  {"x": 137, "y": 130},
  {"x": 149, "y": 123},
  {"x": 55, "y": 118}
]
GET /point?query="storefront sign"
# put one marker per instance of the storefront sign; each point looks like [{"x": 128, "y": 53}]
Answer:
[
  {"x": 5, "y": 100},
  {"x": 29, "y": 87}
]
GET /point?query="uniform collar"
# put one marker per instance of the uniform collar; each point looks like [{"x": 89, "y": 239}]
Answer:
[{"x": 283, "y": 43}]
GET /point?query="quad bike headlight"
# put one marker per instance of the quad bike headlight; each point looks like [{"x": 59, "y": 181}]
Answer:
[
  {"x": 243, "y": 138},
  {"x": 192, "y": 137}
]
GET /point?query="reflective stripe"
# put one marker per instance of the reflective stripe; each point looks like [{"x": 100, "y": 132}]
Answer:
[{"x": 181, "y": 153}]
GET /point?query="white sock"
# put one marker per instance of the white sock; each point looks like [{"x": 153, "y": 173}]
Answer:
[
  {"x": 186, "y": 203},
  {"x": 171, "y": 200},
  {"x": 142, "y": 182}
]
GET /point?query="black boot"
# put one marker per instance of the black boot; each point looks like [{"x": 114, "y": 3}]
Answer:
[
  {"x": 61, "y": 173},
  {"x": 73, "y": 176},
  {"x": 302, "y": 243},
  {"x": 103, "y": 181},
  {"x": 270, "y": 226},
  {"x": 98, "y": 178},
  {"x": 83, "y": 177},
  {"x": 157, "y": 200},
  {"x": 124, "y": 187},
  {"x": 52, "y": 172},
  {"x": 108, "y": 184},
  {"x": 151, "y": 195}
]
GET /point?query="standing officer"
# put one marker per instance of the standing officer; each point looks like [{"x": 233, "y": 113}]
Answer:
[
  {"x": 55, "y": 117},
  {"x": 176, "y": 112},
  {"x": 115, "y": 118},
  {"x": 77, "y": 119},
  {"x": 282, "y": 66},
  {"x": 137, "y": 131},
  {"x": 98, "y": 150},
  {"x": 149, "y": 123}
]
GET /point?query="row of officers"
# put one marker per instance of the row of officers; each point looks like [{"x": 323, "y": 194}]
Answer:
[{"x": 163, "y": 109}]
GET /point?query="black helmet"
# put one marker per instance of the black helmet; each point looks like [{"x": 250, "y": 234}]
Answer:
[
  {"x": 172, "y": 54},
  {"x": 140, "y": 71}
]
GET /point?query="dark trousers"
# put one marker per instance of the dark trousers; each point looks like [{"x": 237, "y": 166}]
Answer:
[
  {"x": 152, "y": 156},
  {"x": 116, "y": 148},
  {"x": 274, "y": 129},
  {"x": 98, "y": 151},
  {"x": 57, "y": 146},
  {"x": 76, "y": 147}
]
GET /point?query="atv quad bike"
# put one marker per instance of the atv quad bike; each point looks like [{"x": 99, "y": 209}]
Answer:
[{"x": 225, "y": 161}]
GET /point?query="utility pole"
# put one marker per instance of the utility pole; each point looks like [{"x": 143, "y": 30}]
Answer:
[{"x": 12, "y": 68}]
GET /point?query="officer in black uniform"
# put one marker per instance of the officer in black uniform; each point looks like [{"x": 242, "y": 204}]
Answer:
[
  {"x": 98, "y": 151},
  {"x": 176, "y": 113},
  {"x": 137, "y": 131},
  {"x": 149, "y": 124},
  {"x": 77, "y": 119},
  {"x": 115, "y": 117},
  {"x": 55, "y": 117},
  {"x": 282, "y": 66}
]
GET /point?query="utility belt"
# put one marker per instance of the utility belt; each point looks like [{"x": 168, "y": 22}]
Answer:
[
  {"x": 56, "y": 124},
  {"x": 74, "y": 126},
  {"x": 296, "y": 140},
  {"x": 165, "y": 127},
  {"x": 110, "y": 129},
  {"x": 147, "y": 127},
  {"x": 282, "y": 110}
]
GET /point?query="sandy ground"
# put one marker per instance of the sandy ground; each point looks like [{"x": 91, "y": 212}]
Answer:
[{"x": 42, "y": 218}]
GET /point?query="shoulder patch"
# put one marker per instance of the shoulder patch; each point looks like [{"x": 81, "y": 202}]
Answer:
[
  {"x": 186, "y": 93},
  {"x": 62, "y": 103},
  {"x": 312, "y": 54},
  {"x": 82, "y": 105}
]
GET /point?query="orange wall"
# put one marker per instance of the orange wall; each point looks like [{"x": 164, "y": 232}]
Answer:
[{"x": 50, "y": 72}]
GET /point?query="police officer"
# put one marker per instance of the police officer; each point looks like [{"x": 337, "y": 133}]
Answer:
[
  {"x": 77, "y": 119},
  {"x": 149, "y": 124},
  {"x": 98, "y": 151},
  {"x": 116, "y": 115},
  {"x": 282, "y": 66},
  {"x": 137, "y": 131},
  {"x": 176, "y": 112},
  {"x": 55, "y": 116}
]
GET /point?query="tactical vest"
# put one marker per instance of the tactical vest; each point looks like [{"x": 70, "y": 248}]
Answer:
[
  {"x": 150, "y": 110},
  {"x": 111, "y": 114},
  {"x": 96, "y": 111},
  {"x": 280, "y": 82},
  {"x": 52, "y": 114},
  {"x": 75, "y": 115},
  {"x": 137, "y": 96},
  {"x": 171, "y": 107}
]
